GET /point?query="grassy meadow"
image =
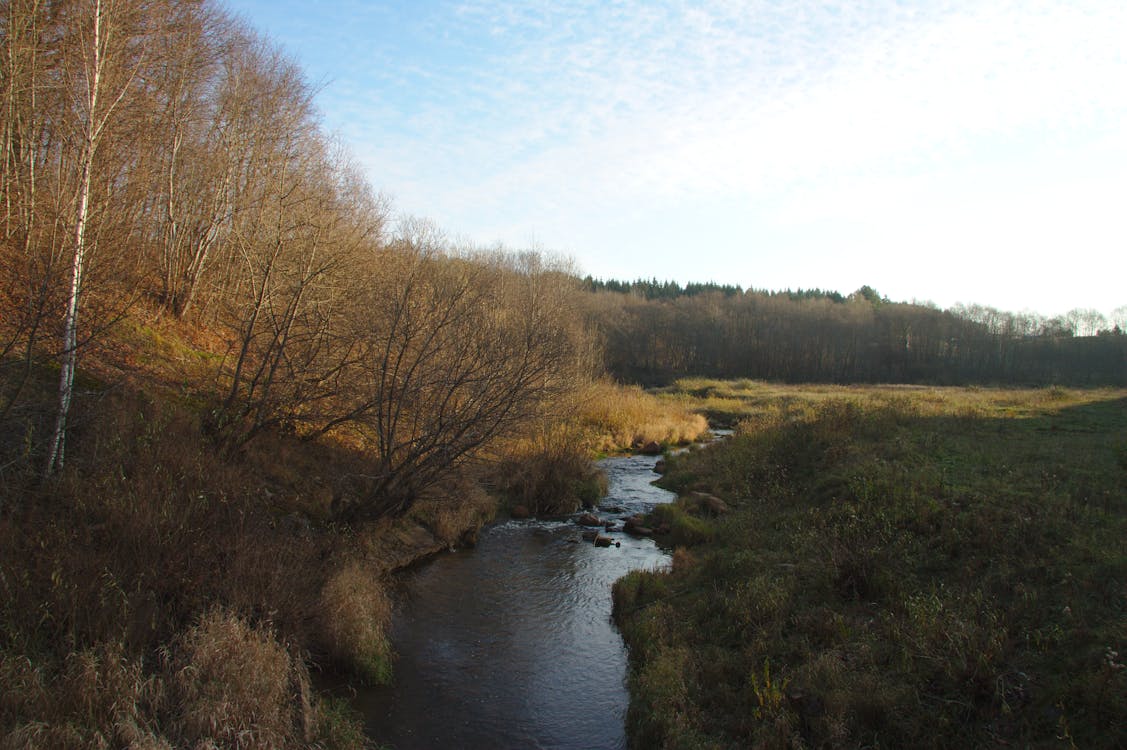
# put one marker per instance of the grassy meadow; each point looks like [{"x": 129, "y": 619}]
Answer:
[{"x": 900, "y": 567}]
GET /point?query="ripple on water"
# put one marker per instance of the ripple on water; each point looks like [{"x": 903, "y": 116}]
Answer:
[{"x": 511, "y": 644}]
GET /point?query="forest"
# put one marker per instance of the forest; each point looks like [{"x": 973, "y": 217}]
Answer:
[
  {"x": 225, "y": 358},
  {"x": 656, "y": 332}
]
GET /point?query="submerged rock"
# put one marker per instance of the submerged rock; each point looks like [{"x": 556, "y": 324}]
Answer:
[
  {"x": 589, "y": 519},
  {"x": 636, "y": 525}
]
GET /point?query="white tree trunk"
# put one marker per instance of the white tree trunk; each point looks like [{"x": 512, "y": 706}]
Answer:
[{"x": 94, "y": 63}]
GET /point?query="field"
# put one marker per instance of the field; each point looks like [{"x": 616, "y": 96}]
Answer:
[{"x": 901, "y": 566}]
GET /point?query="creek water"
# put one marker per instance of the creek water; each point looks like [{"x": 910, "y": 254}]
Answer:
[{"x": 511, "y": 644}]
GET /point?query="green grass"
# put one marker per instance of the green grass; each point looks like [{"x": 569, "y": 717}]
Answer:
[{"x": 902, "y": 567}]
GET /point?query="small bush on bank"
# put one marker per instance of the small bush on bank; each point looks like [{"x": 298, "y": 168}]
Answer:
[
  {"x": 455, "y": 510},
  {"x": 550, "y": 472},
  {"x": 680, "y": 528},
  {"x": 235, "y": 686},
  {"x": 355, "y": 613}
]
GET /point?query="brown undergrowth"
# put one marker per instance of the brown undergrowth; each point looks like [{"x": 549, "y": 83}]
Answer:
[
  {"x": 164, "y": 590},
  {"x": 155, "y": 594}
]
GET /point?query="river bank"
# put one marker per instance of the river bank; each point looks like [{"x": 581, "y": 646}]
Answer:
[{"x": 911, "y": 568}]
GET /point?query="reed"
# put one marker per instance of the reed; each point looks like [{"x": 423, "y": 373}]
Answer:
[{"x": 620, "y": 418}]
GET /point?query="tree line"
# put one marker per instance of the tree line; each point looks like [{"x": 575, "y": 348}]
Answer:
[{"x": 822, "y": 336}]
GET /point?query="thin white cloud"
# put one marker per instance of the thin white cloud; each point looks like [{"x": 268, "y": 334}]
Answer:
[{"x": 588, "y": 123}]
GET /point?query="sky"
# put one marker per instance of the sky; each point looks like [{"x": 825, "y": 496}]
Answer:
[{"x": 945, "y": 151}]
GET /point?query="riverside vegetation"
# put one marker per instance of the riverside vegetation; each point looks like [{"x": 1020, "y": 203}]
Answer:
[
  {"x": 237, "y": 390},
  {"x": 161, "y": 591},
  {"x": 901, "y": 567}
]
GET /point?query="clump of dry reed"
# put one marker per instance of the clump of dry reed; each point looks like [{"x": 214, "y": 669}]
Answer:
[
  {"x": 624, "y": 417},
  {"x": 96, "y": 698},
  {"x": 237, "y": 686},
  {"x": 355, "y": 613}
]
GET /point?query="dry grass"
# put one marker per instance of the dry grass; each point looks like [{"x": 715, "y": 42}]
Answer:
[
  {"x": 97, "y": 698},
  {"x": 903, "y": 566},
  {"x": 118, "y": 558},
  {"x": 237, "y": 687},
  {"x": 624, "y": 417},
  {"x": 355, "y": 613},
  {"x": 752, "y": 406},
  {"x": 221, "y": 684}
]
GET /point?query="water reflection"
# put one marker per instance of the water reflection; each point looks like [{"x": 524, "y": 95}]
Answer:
[{"x": 511, "y": 645}]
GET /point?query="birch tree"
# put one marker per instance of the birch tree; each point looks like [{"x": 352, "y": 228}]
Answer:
[{"x": 100, "y": 70}]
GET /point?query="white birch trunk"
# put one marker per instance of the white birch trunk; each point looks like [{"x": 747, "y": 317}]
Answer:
[{"x": 93, "y": 65}]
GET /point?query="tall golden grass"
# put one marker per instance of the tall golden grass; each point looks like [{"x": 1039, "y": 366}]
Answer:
[
  {"x": 222, "y": 683},
  {"x": 355, "y": 612},
  {"x": 236, "y": 686},
  {"x": 620, "y": 417}
]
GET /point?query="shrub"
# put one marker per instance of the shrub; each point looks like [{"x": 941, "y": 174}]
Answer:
[
  {"x": 236, "y": 686},
  {"x": 455, "y": 509},
  {"x": 355, "y": 613},
  {"x": 550, "y": 472}
]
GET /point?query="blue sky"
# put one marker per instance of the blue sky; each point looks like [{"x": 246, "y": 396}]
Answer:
[{"x": 970, "y": 152}]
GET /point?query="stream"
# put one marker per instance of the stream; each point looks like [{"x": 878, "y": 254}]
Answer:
[{"x": 511, "y": 644}]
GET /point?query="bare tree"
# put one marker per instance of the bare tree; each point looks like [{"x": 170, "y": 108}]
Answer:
[
  {"x": 28, "y": 36},
  {"x": 193, "y": 197},
  {"x": 457, "y": 351},
  {"x": 105, "y": 59},
  {"x": 302, "y": 217},
  {"x": 1118, "y": 318}
]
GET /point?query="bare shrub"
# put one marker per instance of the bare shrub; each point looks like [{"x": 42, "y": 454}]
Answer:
[
  {"x": 549, "y": 470},
  {"x": 455, "y": 510}
]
